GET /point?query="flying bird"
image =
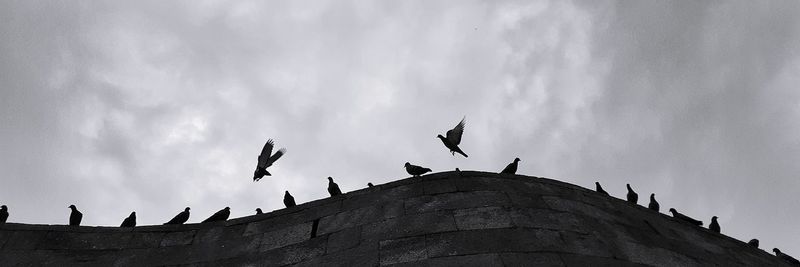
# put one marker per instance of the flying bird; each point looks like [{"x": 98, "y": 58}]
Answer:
[
  {"x": 684, "y": 218},
  {"x": 333, "y": 188},
  {"x": 258, "y": 211},
  {"x": 599, "y": 189},
  {"x": 266, "y": 159},
  {"x": 653, "y": 203},
  {"x": 75, "y": 216},
  {"x": 130, "y": 221},
  {"x": 415, "y": 170},
  {"x": 219, "y": 216},
  {"x": 632, "y": 196},
  {"x": 714, "y": 225},
  {"x": 181, "y": 218},
  {"x": 3, "y": 214},
  {"x": 785, "y": 257},
  {"x": 512, "y": 167},
  {"x": 453, "y": 138},
  {"x": 753, "y": 242},
  {"x": 288, "y": 200}
]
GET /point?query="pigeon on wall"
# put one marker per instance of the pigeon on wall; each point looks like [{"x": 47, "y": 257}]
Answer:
[
  {"x": 632, "y": 196},
  {"x": 370, "y": 185},
  {"x": 685, "y": 218},
  {"x": 130, "y": 221},
  {"x": 786, "y": 257},
  {"x": 512, "y": 167},
  {"x": 415, "y": 170},
  {"x": 3, "y": 214},
  {"x": 333, "y": 188},
  {"x": 219, "y": 216},
  {"x": 75, "y": 216},
  {"x": 288, "y": 200},
  {"x": 266, "y": 159},
  {"x": 753, "y": 242},
  {"x": 258, "y": 211},
  {"x": 653, "y": 203},
  {"x": 453, "y": 138},
  {"x": 714, "y": 225},
  {"x": 181, "y": 218},
  {"x": 599, "y": 189}
]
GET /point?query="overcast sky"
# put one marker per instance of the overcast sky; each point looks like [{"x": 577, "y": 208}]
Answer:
[{"x": 153, "y": 106}]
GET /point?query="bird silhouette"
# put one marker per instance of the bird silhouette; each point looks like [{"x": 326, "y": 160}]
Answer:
[
  {"x": 3, "y": 214},
  {"x": 333, "y": 188},
  {"x": 219, "y": 216},
  {"x": 599, "y": 189},
  {"x": 258, "y": 211},
  {"x": 75, "y": 216},
  {"x": 512, "y": 167},
  {"x": 786, "y": 257},
  {"x": 453, "y": 138},
  {"x": 265, "y": 160},
  {"x": 714, "y": 225},
  {"x": 181, "y": 218},
  {"x": 369, "y": 185},
  {"x": 288, "y": 200},
  {"x": 753, "y": 242},
  {"x": 130, "y": 221},
  {"x": 653, "y": 203},
  {"x": 415, "y": 170},
  {"x": 685, "y": 218},
  {"x": 632, "y": 196}
]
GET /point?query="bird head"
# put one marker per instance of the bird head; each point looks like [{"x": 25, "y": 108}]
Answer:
[
  {"x": 653, "y": 195},
  {"x": 439, "y": 136},
  {"x": 517, "y": 160},
  {"x": 672, "y": 210},
  {"x": 287, "y": 192},
  {"x": 407, "y": 164},
  {"x": 133, "y": 214},
  {"x": 370, "y": 184},
  {"x": 258, "y": 210},
  {"x": 597, "y": 183},
  {"x": 714, "y": 218},
  {"x": 628, "y": 185},
  {"x": 330, "y": 179},
  {"x": 186, "y": 209},
  {"x": 71, "y": 207},
  {"x": 3, "y": 207},
  {"x": 227, "y": 208},
  {"x": 776, "y": 250}
]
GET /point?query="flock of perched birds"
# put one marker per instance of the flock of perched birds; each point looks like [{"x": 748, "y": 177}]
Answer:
[{"x": 451, "y": 141}]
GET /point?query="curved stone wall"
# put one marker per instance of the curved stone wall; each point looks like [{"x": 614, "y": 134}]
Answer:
[{"x": 442, "y": 219}]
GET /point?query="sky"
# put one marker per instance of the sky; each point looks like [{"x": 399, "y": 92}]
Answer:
[{"x": 153, "y": 106}]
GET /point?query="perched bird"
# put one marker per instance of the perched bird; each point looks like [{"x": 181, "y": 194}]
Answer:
[
  {"x": 714, "y": 225},
  {"x": 369, "y": 185},
  {"x": 258, "y": 211},
  {"x": 75, "y": 216},
  {"x": 219, "y": 216},
  {"x": 288, "y": 200},
  {"x": 130, "y": 221},
  {"x": 333, "y": 188},
  {"x": 416, "y": 170},
  {"x": 181, "y": 218},
  {"x": 599, "y": 189},
  {"x": 685, "y": 218},
  {"x": 785, "y": 257},
  {"x": 653, "y": 203},
  {"x": 265, "y": 160},
  {"x": 3, "y": 214},
  {"x": 632, "y": 196},
  {"x": 512, "y": 167},
  {"x": 453, "y": 138},
  {"x": 753, "y": 242}
]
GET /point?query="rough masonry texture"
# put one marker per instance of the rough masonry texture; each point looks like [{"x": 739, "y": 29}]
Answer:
[{"x": 443, "y": 219}]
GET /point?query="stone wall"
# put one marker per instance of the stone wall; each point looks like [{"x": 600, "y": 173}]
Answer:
[{"x": 442, "y": 219}]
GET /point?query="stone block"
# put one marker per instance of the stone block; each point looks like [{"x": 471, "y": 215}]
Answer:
[
  {"x": 387, "y": 194},
  {"x": 458, "y": 200},
  {"x": 293, "y": 254},
  {"x": 409, "y": 225},
  {"x": 349, "y": 219},
  {"x": 482, "y": 218},
  {"x": 24, "y": 240},
  {"x": 145, "y": 239},
  {"x": 302, "y": 216},
  {"x": 344, "y": 239},
  {"x": 580, "y": 260},
  {"x": 401, "y": 250},
  {"x": 285, "y": 236},
  {"x": 487, "y": 260},
  {"x": 363, "y": 255},
  {"x": 82, "y": 241},
  {"x": 546, "y": 219},
  {"x": 576, "y": 207},
  {"x": 439, "y": 186},
  {"x": 585, "y": 244},
  {"x": 637, "y": 253},
  {"x": 492, "y": 241},
  {"x": 532, "y": 259},
  {"x": 178, "y": 238}
]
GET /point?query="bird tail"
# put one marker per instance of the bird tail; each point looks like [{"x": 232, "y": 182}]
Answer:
[{"x": 462, "y": 153}]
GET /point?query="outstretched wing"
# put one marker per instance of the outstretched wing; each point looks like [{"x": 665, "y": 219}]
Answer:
[
  {"x": 263, "y": 159},
  {"x": 454, "y": 135},
  {"x": 275, "y": 157}
]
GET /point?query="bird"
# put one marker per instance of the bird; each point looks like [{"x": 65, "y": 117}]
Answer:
[
  {"x": 453, "y": 138},
  {"x": 599, "y": 189},
  {"x": 333, "y": 188},
  {"x": 3, "y": 214},
  {"x": 685, "y": 218},
  {"x": 714, "y": 225},
  {"x": 130, "y": 221},
  {"x": 632, "y": 196},
  {"x": 369, "y": 185},
  {"x": 416, "y": 170},
  {"x": 653, "y": 203},
  {"x": 181, "y": 218},
  {"x": 288, "y": 200},
  {"x": 512, "y": 167},
  {"x": 785, "y": 257},
  {"x": 219, "y": 216},
  {"x": 265, "y": 160},
  {"x": 258, "y": 211},
  {"x": 753, "y": 242},
  {"x": 75, "y": 216}
]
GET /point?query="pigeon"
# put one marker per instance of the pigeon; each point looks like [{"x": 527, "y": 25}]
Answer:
[
  {"x": 685, "y": 218},
  {"x": 130, "y": 221},
  {"x": 3, "y": 214},
  {"x": 599, "y": 189},
  {"x": 653, "y": 203},
  {"x": 333, "y": 188},
  {"x": 512, "y": 167},
  {"x": 258, "y": 211},
  {"x": 714, "y": 225},
  {"x": 753, "y": 242},
  {"x": 288, "y": 200},
  {"x": 75, "y": 216},
  {"x": 416, "y": 170},
  {"x": 219, "y": 216},
  {"x": 265, "y": 160},
  {"x": 181, "y": 218},
  {"x": 785, "y": 257},
  {"x": 453, "y": 138},
  {"x": 369, "y": 185},
  {"x": 632, "y": 196}
]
